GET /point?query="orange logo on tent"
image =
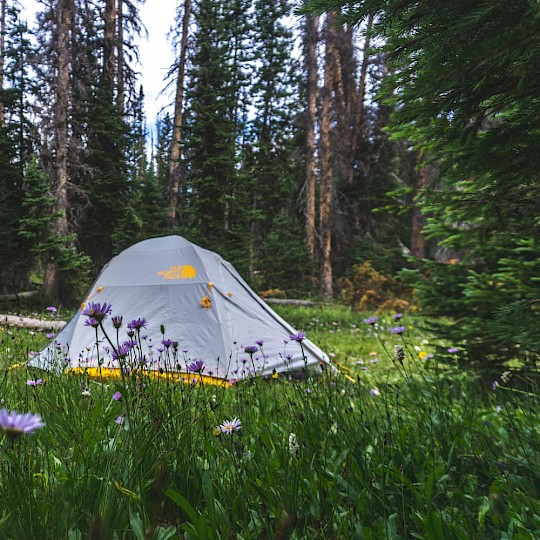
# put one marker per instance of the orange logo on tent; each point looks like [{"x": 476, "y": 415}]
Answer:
[{"x": 182, "y": 271}]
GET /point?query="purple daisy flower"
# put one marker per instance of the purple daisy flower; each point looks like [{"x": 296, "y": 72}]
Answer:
[
  {"x": 196, "y": 367},
  {"x": 453, "y": 350},
  {"x": 34, "y": 382},
  {"x": 137, "y": 324},
  {"x": 371, "y": 320},
  {"x": 250, "y": 349},
  {"x": 117, "y": 396},
  {"x": 259, "y": 342},
  {"x": 97, "y": 311},
  {"x": 52, "y": 309},
  {"x": 397, "y": 316},
  {"x": 298, "y": 336},
  {"x": 117, "y": 321},
  {"x": 14, "y": 424},
  {"x": 398, "y": 330},
  {"x": 120, "y": 420},
  {"x": 230, "y": 426},
  {"x": 167, "y": 342},
  {"x": 122, "y": 351},
  {"x": 91, "y": 322}
]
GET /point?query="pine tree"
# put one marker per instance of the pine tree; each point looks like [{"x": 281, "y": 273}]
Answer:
[
  {"x": 461, "y": 87},
  {"x": 217, "y": 207}
]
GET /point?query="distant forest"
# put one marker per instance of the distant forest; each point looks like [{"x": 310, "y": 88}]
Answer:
[{"x": 401, "y": 145}]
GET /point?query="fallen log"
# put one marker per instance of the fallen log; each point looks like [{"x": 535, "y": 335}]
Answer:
[
  {"x": 18, "y": 295},
  {"x": 29, "y": 322},
  {"x": 291, "y": 302}
]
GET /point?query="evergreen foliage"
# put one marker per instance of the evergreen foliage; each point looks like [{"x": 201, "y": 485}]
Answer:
[{"x": 462, "y": 90}]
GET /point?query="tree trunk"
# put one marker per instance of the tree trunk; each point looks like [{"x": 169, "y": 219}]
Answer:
[
  {"x": 120, "y": 96},
  {"x": 59, "y": 227},
  {"x": 310, "y": 63},
  {"x": 3, "y": 17},
  {"x": 109, "y": 63},
  {"x": 176, "y": 145},
  {"x": 326, "y": 289},
  {"x": 358, "y": 125},
  {"x": 418, "y": 241}
]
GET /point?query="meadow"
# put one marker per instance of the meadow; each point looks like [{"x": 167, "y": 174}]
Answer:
[{"x": 404, "y": 442}]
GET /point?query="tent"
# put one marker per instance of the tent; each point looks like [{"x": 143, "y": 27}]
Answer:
[{"x": 196, "y": 308}]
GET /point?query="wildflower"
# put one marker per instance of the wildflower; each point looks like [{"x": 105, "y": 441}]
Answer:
[
  {"x": 399, "y": 353},
  {"x": 259, "y": 342},
  {"x": 498, "y": 408},
  {"x": 196, "y": 367},
  {"x": 117, "y": 321},
  {"x": 97, "y": 311},
  {"x": 397, "y": 316},
  {"x": 122, "y": 351},
  {"x": 298, "y": 337},
  {"x": 14, "y": 424},
  {"x": 50, "y": 335},
  {"x": 231, "y": 426},
  {"x": 422, "y": 355},
  {"x": 294, "y": 449},
  {"x": 34, "y": 382},
  {"x": 117, "y": 396},
  {"x": 495, "y": 385},
  {"x": 167, "y": 343},
  {"x": 398, "y": 330},
  {"x": 250, "y": 349},
  {"x": 453, "y": 350},
  {"x": 52, "y": 309},
  {"x": 371, "y": 320},
  {"x": 505, "y": 377},
  {"x": 91, "y": 322},
  {"x": 374, "y": 392},
  {"x": 308, "y": 391},
  {"x": 85, "y": 392},
  {"x": 137, "y": 324},
  {"x": 120, "y": 420}
]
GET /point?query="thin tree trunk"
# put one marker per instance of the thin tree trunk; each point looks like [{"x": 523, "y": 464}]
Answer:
[
  {"x": 359, "y": 116},
  {"x": 3, "y": 15},
  {"x": 51, "y": 284},
  {"x": 109, "y": 62},
  {"x": 418, "y": 241},
  {"x": 120, "y": 97},
  {"x": 310, "y": 62},
  {"x": 176, "y": 145},
  {"x": 325, "y": 209}
]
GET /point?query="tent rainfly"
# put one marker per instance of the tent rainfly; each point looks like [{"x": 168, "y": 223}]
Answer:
[{"x": 195, "y": 307}]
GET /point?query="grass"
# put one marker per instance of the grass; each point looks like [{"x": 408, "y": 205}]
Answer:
[{"x": 418, "y": 449}]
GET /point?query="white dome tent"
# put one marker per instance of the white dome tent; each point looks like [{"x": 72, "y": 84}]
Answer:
[{"x": 207, "y": 311}]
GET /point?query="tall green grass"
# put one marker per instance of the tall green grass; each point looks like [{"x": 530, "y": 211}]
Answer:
[{"x": 411, "y": 449}]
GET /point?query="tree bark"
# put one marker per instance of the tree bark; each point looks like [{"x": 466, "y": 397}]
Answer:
[
  {"x": 325, "y": 208},
  {"x": 358, "y": 125},
  {"x": 418, "y": 241},
  {"x": 3, "y": 17},
  {"x": 59, "y": 227},
  {"x": 109, "y": 44},
  {"x": 120, "y": 96},
  {"x": 176, "y": 145},
  {"x": 310, "y": 63}
]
